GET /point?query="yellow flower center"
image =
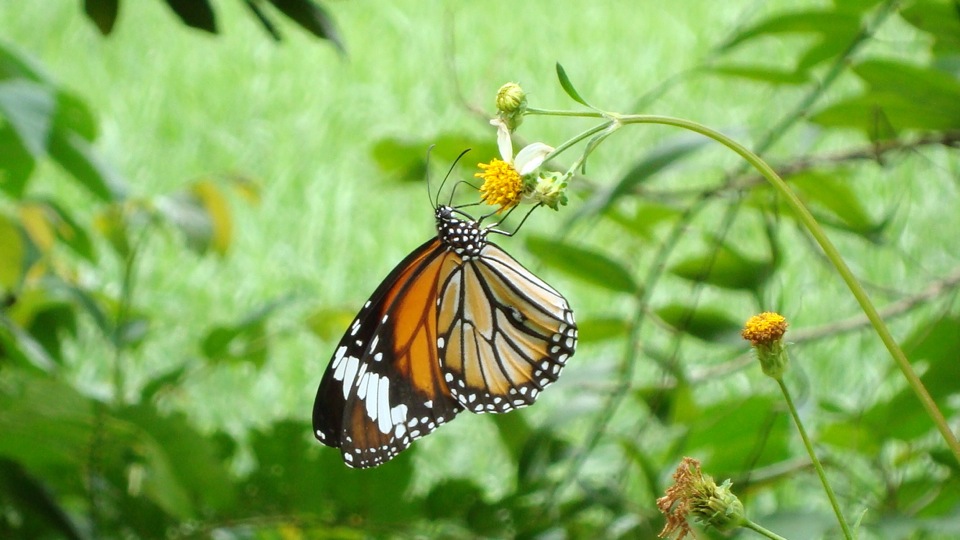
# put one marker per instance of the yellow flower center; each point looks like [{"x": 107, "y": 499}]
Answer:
[
  {"x": 502, "y": 185},
  {"x": 764, "y": 328}
]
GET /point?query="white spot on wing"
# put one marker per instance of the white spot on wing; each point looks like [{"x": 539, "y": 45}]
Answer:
[
  {"x": 352, "y": 364},
  {"x": 383, "y": 406}
]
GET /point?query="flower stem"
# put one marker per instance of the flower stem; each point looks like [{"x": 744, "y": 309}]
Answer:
[
  {"x": 816, "y": 462},
  {"x": 807, "y": 219},
  {"x": 551, "y": 112},
  {"x": 754, "y": 527}
]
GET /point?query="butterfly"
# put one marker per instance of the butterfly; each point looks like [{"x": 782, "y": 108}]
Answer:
[{"x": 458, "y": 325}]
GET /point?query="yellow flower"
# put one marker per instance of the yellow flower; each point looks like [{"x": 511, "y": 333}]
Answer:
[
  {"x": 503, "y": 179},
  {"x": 502, "y": 185},
  {"x": 765, "y": 332},
  {"x": 764, "y": 328}
]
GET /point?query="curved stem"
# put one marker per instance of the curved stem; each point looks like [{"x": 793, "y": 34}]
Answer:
[
  {"x": 755, "y": 527},
  {"x": 807, "y": 219},
  {"x": 816, "y": 462},
  {"x": 552, "y": 112}
]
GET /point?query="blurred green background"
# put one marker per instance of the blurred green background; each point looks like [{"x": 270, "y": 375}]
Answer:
[{"x": 157, "y": 377}]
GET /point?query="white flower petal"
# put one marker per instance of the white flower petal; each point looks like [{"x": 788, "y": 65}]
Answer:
[
  {"x": 531, "y": 157},
  {"x": 504, "y": 142}
]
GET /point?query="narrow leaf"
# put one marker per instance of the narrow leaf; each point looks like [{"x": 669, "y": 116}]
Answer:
[
  {"x": 75, "y": 155},
  {"x": 649, "y": 165},
  {"x": 16, "y": 162},
  {"x": 584, "y": 264},
  {"x": 218, "y": 211},
  {"x": 265, "y": 21},
  {"x": 602, "y": 329},
  {"x": 195, "y": 13},
  {"x": 707, "y": 324},
  {"x": 568, "y": 86},
  {"x": 28, "y": 107},
  {"x": 839, "y": 25},
  {"x": 13, "y": 250},
  {"x": 725, "y": 267},
  {"x": 312, "y": 18},
  {"x": 763, "y": 74},
  {"x": 103, "y": 13}
]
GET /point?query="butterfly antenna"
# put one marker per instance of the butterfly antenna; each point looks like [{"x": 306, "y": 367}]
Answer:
[
  {"x": 448, "y": 176},
  {"x": 429, "y": 191},
  {"x": 517, "y": 229}
]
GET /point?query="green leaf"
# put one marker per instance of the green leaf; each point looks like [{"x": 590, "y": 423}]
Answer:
[
  {"x": 44, "y": 422},
  {"x": 406, "y": 159},
  {"x": 13, "y": 249},
  {"x": 707, "y": 324},
  {"x": 900, "y": 97},
  {"x": 195, "y": 13},
  {"x": 29, "y": 107},
  {"x": 22, "y": 348},
  {"x": 184, "y": 472},
  {"x": 739, "y": 435},
  {"x": 596, "y": 330},
  {"x": 644, "y": 218},
  {"x": 215, "y": 204},
  {"x": 311, "y": 17},
  {"x": 763, "y": 74},
  {"x": 938, "y": 18},
  {"x": 648, "y": 166},
  {"x": 74, "y": 154},
  {"x": 244, "y": 341},
  {"x": 66, "y": 228},
  {"x": 74, "y": 115},
  {"x": 26, "y": 496},
  {"x": 112, "y": 223},
  {"x": 296, "y": 474},
  {"x": 902, "y": 416},
  {"x": 329, "y": 323},
  {"x": 265, "y": 21},
  {"x": 16, "y": 163},
  {"x": 568, "y": 86},
  {"x": 834, "y": 24},
  {"x": 514, "y": 431},
  {"x": 169, "y": 380},
  {"x": 584, "y": 264},
  {"x": 103, "y": 13},
  {"x": 725, "y": 267},
  {"x": 829, "y": 195},
  {"x": 14, "y": 65}
]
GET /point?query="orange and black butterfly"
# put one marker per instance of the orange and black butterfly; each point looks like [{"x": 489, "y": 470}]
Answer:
[{"x": 458, "y": 324}]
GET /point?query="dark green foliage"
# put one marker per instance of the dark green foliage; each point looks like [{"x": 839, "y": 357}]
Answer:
[{"x": 200, "y": 14}]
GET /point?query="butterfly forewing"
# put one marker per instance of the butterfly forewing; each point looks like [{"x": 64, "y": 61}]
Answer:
[{"x": 383, "y": 388}]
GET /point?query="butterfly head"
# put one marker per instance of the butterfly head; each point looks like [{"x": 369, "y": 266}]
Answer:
[{"x": 465, "y": 237}]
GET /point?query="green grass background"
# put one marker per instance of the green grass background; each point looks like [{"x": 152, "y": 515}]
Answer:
[{"x": 176, "y": 105}]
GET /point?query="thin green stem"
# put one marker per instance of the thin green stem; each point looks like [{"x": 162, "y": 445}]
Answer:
[
  {"x": 755, "y": 527},
  {"x": 807, "y": 219},
  {"x": 551, "y": 112},
  {"x": 816, "y": 462},
  {"x": 600, "y": 128}
]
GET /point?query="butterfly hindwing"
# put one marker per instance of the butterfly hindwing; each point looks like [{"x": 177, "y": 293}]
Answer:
[
  {"x": 506, "y": 334},
  {"x": 383, "y": 388}
]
